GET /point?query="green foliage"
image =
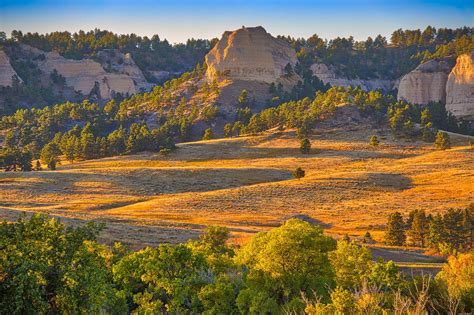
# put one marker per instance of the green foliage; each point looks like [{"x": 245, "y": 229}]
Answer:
[
  {"x": 351, "y": 264},
  {"x": 15, "y": 160},
  {"x": 50, "y": 155},
  {"x": 343, "y": 301},
  {"x": 374, "y": 141},
  {"x": 299, "y": 173},
  {"x": 419, "y": 227},
  {"x": 228, "y": 130},
  {"x": 163, "y": 279},
  {"x": 305, "y": 146},
  {"x": 395, "y": 233},
  {"x": 442, "y": 141},
  {"x": 46, "y": 268},
  {"x": 456, "y": 279},
  {"x": 208, "y": 134},
  {"x": 283, "y": 263}
]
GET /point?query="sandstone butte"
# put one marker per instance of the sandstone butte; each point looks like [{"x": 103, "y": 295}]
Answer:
[
  {"x": 6, "y": 70},
  {"x": 251, "y": 54},
  {"x": 427, "y": 83},
  {"x": 460, "y": 88},
  {"x": 326, "y": 74}
]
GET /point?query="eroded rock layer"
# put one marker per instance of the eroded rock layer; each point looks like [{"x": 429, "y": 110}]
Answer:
[
  {"x": 460, "y": 88},
  {"x": 427, "y": 83},
  {"x": 250, "y": 54},
  {"x": 6, "y": 70}
]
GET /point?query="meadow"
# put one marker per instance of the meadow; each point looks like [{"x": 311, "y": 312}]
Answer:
[{"x": 246, "y": 184}]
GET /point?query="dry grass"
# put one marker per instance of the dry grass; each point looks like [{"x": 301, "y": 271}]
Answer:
[{"x": 245, "y": 183}]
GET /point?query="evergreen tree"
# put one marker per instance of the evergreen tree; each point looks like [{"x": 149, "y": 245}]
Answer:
[
  {"x": 374, "y": 141},
  {"x": 442, "y": 141},
  {"x": 395, "y": 233},
  {"x": 208, "y": 134},
  {"x": 244, "y": 99},
  {"x": 228, "y": 130},
  {"x": 419, "y": 229},
  {"x": 25, "y": 161},
  {"x": 305, "y": 146},
  {"x": 50, "y": 155}
]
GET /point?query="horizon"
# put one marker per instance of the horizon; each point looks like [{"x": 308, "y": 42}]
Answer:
[{"x": 177, "y": 23}]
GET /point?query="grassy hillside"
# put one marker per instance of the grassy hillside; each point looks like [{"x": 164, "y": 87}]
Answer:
[{"x": 245, "y": 183}]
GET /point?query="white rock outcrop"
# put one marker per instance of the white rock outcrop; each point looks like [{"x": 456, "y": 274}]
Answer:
[
  {"x": 427, "y": 83},
  {"x": 250, "y": 54},
  {"x": 81, "y": 75},
  {"x": 6, "y": 70},
  {"x": 460, "y": 88},
  {"x": 326, "y": 74}
]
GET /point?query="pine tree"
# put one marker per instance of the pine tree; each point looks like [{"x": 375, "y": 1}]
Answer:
[
  {"x": 305, "y": 146},
  {"x": 435, "y": 231},
  {"x": 228, "y": 130},
  {"x": 50, "y": 155},
  {"x": 374, "y": 141},
  {"x": 442, "y": 141},
  {"x": 25, "y": 161},
  {"x": 395, "y": 233},
  {"x": 208, "y": 134},
  {"x": 419, "y": 229}
]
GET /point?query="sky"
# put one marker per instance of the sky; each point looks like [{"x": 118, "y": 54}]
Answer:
[{"x": 179, "y": 20}]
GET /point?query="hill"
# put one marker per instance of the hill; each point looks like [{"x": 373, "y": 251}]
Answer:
[{"x": 245, "y": 183}]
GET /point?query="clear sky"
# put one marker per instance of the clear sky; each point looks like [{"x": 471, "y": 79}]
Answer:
[{"x": 177, "y": 20}]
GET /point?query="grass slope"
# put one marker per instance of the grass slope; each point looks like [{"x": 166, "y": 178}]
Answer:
[{"x": 245, "y": 183}]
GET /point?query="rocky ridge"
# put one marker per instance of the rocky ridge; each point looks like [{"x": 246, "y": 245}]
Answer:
[
  {"x": 460, "y": 88},
  {"x": 251, "y": 54},
  {"x": 82, "y": 75},
  {"x": 427, "y": 83}
]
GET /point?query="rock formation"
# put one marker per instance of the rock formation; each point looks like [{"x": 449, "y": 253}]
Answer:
[
  {"x": 427, "y": 83},
  {"x": 123, "y": 77},
  {"x": 460, "y": 88},
  {"x": 82, "y": 75},
  {"x": 328, "y": 76},
  {"x": 6, "y": 70},
  {"x": 116, "y": 62},
  {"x": 251, "y": 54}
]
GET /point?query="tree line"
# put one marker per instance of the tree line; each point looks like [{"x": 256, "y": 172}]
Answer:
[
  {"x": 295, "y": 268},
  {"x": 445, "y": 233},
  {"x": 380, "y": 58}
]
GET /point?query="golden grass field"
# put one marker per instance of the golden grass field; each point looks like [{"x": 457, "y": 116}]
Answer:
[{"x": 245, "y": 183}]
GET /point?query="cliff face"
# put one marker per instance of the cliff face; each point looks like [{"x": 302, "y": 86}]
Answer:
[
  {"x": 116, "y": 62},
  {"x": 460, "y": 88},
  {"x": 82, "y": 75},
  {"x": 6, "y": 70},
  {"x": 250, "y": 54},
  {"x": 328, "y": 76},
  {"x": 427, "y": 83},
  {"x": 121, "y": 77}
]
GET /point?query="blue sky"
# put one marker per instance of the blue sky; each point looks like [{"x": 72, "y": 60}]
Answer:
[{"x": 181, "y": 19}]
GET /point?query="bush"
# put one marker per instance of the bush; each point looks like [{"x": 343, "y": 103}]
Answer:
[{"x": 298, "y": 173}]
